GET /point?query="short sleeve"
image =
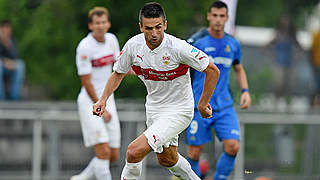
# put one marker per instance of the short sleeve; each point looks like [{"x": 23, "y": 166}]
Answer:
[
  {"x": 83, "y": 61},
  {"x": 193, "y": 57},
  {"x": 124, "y": 60},
  {"x": 116, "y": 47}
]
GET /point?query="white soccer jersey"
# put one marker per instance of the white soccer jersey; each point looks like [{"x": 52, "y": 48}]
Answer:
[
  {"x": 164, "y": 71},
  {"x": 96, "y": 58}
]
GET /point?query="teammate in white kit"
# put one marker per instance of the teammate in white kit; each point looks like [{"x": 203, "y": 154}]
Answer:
[
  {"x": 162, "y": 62},
  {"x": 95, "y": 57}
]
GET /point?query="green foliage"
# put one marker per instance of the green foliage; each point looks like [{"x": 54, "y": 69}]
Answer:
[
  {"x": 48, "y": 32},
  {"x": 130, "y": 87},
  {"x": 267, "y": 13}
]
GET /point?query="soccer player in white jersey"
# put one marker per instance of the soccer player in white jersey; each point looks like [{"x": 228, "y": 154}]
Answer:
[
  {"x": 95, "y": 57},
  {"x": 162, "y": 62}
]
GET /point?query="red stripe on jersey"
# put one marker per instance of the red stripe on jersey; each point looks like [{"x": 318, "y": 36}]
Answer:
[
  {"x": 202, "y": 57},
  {"x": 154, "y": 75},
  {"x": 103, "y": 61}
]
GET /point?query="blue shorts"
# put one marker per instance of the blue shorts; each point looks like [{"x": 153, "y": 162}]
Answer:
[{"x": 225, "y": 124}]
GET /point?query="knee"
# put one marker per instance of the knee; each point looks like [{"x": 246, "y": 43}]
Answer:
[
  {"x": 102, "y": 151},
  {"x": 194, "y": 152},
  {"x": 134, "y": 154},
  {"x": 232, "y": 148}
]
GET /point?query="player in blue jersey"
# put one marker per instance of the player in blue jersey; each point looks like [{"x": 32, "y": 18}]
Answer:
[{"x": 225, "y": 52}]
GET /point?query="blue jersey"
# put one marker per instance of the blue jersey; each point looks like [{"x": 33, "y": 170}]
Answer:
[{"x": 223, "y": 53}]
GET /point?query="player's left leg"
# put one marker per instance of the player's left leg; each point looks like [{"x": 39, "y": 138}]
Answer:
[
  {"x": 198, "y": 133},
  {"x": 228, "y": 130},
  {"x": 176, "y": 163},
  {"x": 226, "y": 161}
]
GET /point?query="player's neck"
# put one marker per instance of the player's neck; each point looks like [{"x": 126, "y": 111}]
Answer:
[
  {"x": 99, "y": 38},
  {"x": 216, "y": 34}
]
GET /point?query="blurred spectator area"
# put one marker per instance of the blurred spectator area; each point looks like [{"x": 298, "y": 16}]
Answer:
[{"x": 258, "y": 61}]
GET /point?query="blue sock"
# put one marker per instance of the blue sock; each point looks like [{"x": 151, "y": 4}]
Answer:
[
  {"x": 224, "y": 166},
  {"x": 195, "y": 166}
]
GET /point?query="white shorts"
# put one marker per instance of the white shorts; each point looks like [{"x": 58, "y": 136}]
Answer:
[
  {"x": 163, "y": 128},
  {"x": 94, "y": 129}
]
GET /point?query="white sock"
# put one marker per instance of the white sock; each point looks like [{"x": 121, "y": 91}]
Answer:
[
  {"x": 131, "y": 171},
  {"x": 101, "y": 169},
  {"x": 183, "y": 170},
  {"x": 88, "y": 173}
]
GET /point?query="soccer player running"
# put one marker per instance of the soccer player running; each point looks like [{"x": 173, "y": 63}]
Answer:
[
  {"x": 95, "y": 57},
  {"x": 224, "y": 51},
  {"x": 162, "y": 62}
]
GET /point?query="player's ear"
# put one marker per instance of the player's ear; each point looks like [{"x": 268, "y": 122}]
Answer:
[
  {"x": 141, "y": 28},
  {"x": 165, "y": 25},
  {"x": 208, "y": 16},
  {"x": 108, "y": 25},
  {"x": 90, "y": 26}
]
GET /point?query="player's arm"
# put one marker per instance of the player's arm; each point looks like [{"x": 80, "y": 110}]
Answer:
[
  {"x": 200, "y": 61},
  {"x": 113, "y": 83},
  {"x": 211, "y": 78},
  {"x": 245, "y": 99},
  {"x": 86, "y": 83}
]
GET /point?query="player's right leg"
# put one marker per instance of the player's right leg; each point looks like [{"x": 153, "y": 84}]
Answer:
[
  {"x": 136, "y": 151},
  {"x": 193, "y": 156},
  {"x": 227, "y": 130},
  {"x": 198, "y": 133}
]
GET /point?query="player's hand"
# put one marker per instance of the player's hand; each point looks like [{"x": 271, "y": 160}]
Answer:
[
  {"x": 245, "y": 100},
  {"x": 99, "y": 108},
  {"x": 106, "y": 116},
  {"x": 205, "y": 111}
]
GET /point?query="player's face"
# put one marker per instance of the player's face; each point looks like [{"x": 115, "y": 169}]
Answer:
[
  {"x": 217, "y": 17},
  {"x": 153, "y": 29},
  {"x": 99, "y": 25}
]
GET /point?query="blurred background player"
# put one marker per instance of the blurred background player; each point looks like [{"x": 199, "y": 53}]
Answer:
[
  {"x": 11, "y": 67},
  {"x": 95, "y": 57},
  {"x": 224, "y": 51},
  {"x": 162, "y": 62}
]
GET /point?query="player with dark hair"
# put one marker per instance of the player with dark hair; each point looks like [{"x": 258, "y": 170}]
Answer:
[
  {"x": 224, "y": 51},
  {"x": 162, "y": 62}
]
